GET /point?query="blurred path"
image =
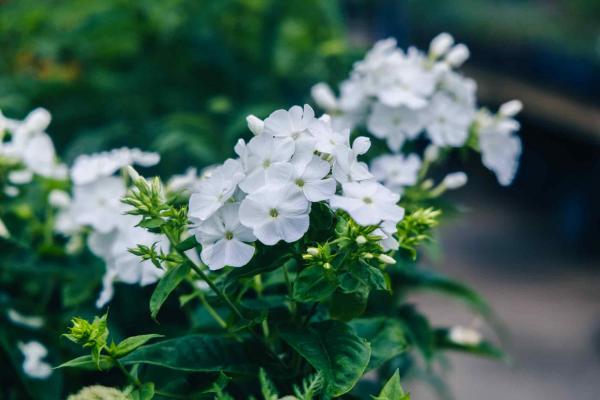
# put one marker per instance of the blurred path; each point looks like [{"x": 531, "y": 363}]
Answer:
[{"x": 550, "y": 302}]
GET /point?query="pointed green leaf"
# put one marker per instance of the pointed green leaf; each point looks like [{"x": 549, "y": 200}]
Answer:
[
  {"x": 88, "y": 362},
  {"x": 200, "y": 353},
  {"x": 187, "y": 244},
  {"x": 144, "y": 392},
  {"x": 386, "y": 337},
  {"x": 132, "y": 343},
  {"x": 392, "y": 390},
  {"x": 314, "y": 284},
  {"x": 334, "y": 350},
  {"x": 346, "y": 306},
  {"x": 166, "y": 285}
]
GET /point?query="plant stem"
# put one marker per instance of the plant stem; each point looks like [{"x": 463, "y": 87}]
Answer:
[
  {"x": 211, "y": 310},
  {"x": 129, "y": 377}
]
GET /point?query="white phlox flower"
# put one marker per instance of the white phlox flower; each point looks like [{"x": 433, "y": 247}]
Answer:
[
  {"x": 368, "y": 203},
  {"x": 187, "y": 181},
  {"x": 276, "y": 212},
  {"x": 292, "y": 123},
  {"x": 324, "y": 97},
  {"x": 387, "y": 230},
  {"x": 346, "y": 166},
  {"x": 264, "y": 157},
  {"x": 326, "y": 136},
  {"x": 90, "y": 167},
  {"x": 211, "y": 193},
  {"x": 30, "y": 321},
  {"x": 309, "y": 173},
  {"x": 396, "y": 171},
  {"x": 395, "y": 124},
  {"x": 500, "y": 147},
  {"x": 33, "y": 364},
  {"x": 224, "y": 239},
  {"x": 449, "y": 121}
]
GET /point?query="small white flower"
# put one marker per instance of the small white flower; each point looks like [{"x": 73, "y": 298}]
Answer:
[
  {"x": 510, "y": 108},
  {"x": 211, "y": 193},
  {"x": 20, "y": 177},
  {"x": 90, "y": 167},
  {"x": 255, "y": 124},
  {"x": 458, "y": 55},
  {"x": 396, "y": 171},
  {"x": 264, "y": 157},
  {"x": 395, "y": 124},
  {"x": 274, "y": 213},
  {"x": 40, "y": 157},
  {"x": 500, "y": 148},
  {"x": 464, "y": 336},
  {"x": 291, "y": 123},
  {"x": 224, "y": 239},
  {"x": 327, "y": 138},
  {"x": 449, "y": 121},
  {"x": 33, "y": 366},
  {"x": 324, "y": 96},
  {"x": 98, "y": 204},
  {"x": 59, "y": 199},
  {"x": 368, "y": 203},
  {"x": 187, "y": 181},
  {"x": 440, "y": 44},
  {"x": 33, "y": 322},
  {"x": 455, "y": 180},
  {"x": 347, "y": 168}
]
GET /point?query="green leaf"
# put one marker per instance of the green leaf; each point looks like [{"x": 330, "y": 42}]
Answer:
[
  {"x": 151, "y": 223},
  {"x": 334, "y": 350},
  {"x": 144, "y": 392},
  {"x": 314, "y": 284},
  {"x": 418, "y": 330},
  {"x": 420, "y": 279},
  {"x": 259, "y": 265},
  {"x": 187, "y": 244},
  {"x": 483, "y": 348},
  {"x": 346, "y": 306},
  {"x": 392, "y": 390},
  {"x": 166, "y": 285},
  {"x": 386, "y": 337},
  {"x": 200, "y": 353},
  {"x": 132, "y": 343},
  {"x": 369, "y": 276},
  {"x": 87, "y": 362}
]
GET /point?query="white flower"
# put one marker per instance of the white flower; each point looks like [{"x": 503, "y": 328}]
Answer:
[
  {"x": 255, "y": 124},
  {"x": 449, "y": 121},
  {"x": 396, "y": 171},
  {"x": 34, "y": 322},
  {"x": 224, "y": 239},
  {"x": 20, "y": 177},
  {"x": 187, "y": 181},
  {"x": 464, "y": 336},
  {"x": 59, "y": 199},
  {"x": 368, "y": 203},
  {"x": 310, "y": 177},
  {"x": 40, "y": 157},
  {"x": 327, "y": 138},
  {"x": 274, "y": 213},
  {"x": 265, "y": 156},
  {"x": 292, "y": 123},
  {"x": 500, "y": 148},
  {"x": 455, "y": 180},
  {"x": 215, "y": 190},
  {"x": 510, "y": 108},
  {"x": 440, "y": 44},
  {"x": 347, "y": 168},
  {"x": 98, "y": 204},
  {"x": 431, "y": 153},
  {"x": 395, "y": 124},
  {"x": 324, "y": 96},
  {"x": 460, "y": 88},
  {"x": 457, "y": 55},
  {"x": 89, "y": 167},
  {"x": 33, "y": 366},
  {"x": 387, "y": 230}
]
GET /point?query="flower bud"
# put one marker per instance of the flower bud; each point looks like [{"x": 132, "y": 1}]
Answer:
[
  {"x": 133, "y": 174},
  {"x": 510, "y": 108},
  {"x": 59, "y": 199},
  {"x": 432, "y": 152},
  {"x": 464, "y": 336},
  {"x": 255, "y": 124},
  {"x": 38, "y": 120},
  {"x": 384, "y": 258},
  {"x": 313, "y": 251},
  {"x": 361, "y": 145},
  {"x": 458, "y": 55},
  {"x": 327, "y": 265},
  {"x": 455, "y": 180},
  {"x": 324, "y": 96},
  {"x": 20, "y": 177},
  {"x": 367, "y": 256},
  {"x": 4, "y": 230},
  {"x": 307, "y": 257},
  {"x": 360, "y": 240},
  {"x": 440, "y": 44},
  {"x": 427, "y": 184}
]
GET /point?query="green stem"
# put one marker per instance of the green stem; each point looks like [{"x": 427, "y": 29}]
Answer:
[
  {"x": 211, "y": 310},
  {"x": 129, "y": 377}
]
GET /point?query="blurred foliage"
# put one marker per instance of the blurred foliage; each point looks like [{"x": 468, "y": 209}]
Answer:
[{"x": 173, "y": 76}]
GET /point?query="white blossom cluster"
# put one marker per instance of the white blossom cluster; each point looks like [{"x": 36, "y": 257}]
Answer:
[
  {"x": 294, "y": 160},
  {"x": 95, "y": 205},
  {"x": 33, "y": 365},
  {"x": 26, "y": 145},
  {"x": 401, "y": 95}
]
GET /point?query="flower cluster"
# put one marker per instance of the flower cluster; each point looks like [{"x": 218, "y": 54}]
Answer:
[
  {"x": 96, "y": 206},
  {"x": 28, "y": 150},
  {"x": 294, "y": 160},
  {"x": 399, "y": 95}
]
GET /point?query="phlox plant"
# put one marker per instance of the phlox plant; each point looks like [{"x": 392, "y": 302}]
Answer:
[{"x": 292, "y": 262}]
